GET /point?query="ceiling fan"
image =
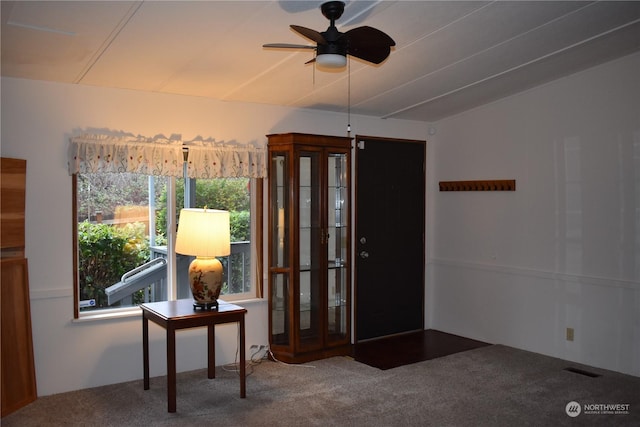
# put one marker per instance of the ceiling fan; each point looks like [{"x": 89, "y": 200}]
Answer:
[{"x": 332, "y": 46}]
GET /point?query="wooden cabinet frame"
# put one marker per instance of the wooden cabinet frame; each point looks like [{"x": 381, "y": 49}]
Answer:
[{"x": 309, "y": 246}]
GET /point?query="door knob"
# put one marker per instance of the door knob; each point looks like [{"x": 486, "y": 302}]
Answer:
[{"x": 364, "y": 254}]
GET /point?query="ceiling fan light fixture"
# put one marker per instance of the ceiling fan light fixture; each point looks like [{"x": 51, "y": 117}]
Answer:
[
  {"x": 332, "y": 46},
  {"x": 331, "y": 60}
]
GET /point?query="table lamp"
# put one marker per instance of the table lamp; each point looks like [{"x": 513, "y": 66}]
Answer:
[{"x": 204, "y": 233}]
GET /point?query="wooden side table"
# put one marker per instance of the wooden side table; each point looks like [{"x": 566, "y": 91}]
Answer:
[{"x": 180, "y": 314}]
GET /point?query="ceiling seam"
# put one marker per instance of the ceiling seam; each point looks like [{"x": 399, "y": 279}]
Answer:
[
  {"x": 109, "y": 40},
  {"x": 455, "y": 21},
  {"x": 441, "y": 69},
  {"x": 40, "y": 28},
  {"x": 249, "y": 81},
  {"x": 357, "y": 15},
  {"x": 533, "y": 61},
  {"x": 206, "y": 49}
]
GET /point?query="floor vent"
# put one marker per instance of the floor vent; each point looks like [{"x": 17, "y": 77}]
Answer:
[{"x": 582, "y": 372}]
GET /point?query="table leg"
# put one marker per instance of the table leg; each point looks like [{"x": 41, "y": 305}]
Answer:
[
  {"x": 145, "y": 350},
  {"x": 243, "y": 363},
  {"x": 171, "y": 369},
  {"x": 211, "y": 352}
]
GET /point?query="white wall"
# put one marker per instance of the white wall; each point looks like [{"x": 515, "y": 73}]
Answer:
[
  {"x": 563, "y": 250},
  {"x": 37, "y": 120}
]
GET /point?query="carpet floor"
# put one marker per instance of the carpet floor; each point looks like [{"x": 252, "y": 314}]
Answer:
[{"x": 488, "y": 386}]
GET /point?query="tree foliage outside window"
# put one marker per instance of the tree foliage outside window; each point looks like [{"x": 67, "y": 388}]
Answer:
[
  {"x": 106, "y": 253},
  {"x": 230, "y": 194}
]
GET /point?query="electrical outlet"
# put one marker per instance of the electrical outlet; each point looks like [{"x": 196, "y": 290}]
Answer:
[{"x": 569, "y": 334}]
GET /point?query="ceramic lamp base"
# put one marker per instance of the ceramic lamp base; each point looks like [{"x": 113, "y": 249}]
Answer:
[{"x": 205, "y": 280}]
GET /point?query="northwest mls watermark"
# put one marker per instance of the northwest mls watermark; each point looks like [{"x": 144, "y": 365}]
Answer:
[{"x": 573, "y": 409}]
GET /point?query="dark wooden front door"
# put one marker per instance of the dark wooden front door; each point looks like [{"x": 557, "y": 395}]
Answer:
[{"x": 389, "y": 239}]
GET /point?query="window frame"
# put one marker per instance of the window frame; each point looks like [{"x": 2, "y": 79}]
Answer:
[{"x": 256, "y": 223}]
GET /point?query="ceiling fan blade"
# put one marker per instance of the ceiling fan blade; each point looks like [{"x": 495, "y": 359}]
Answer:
[
  {"x": 369, "y": 44},
  {"x": 311, "y": 61},
  {"x": 309, "y": 33},
  {"x": 288, "y": 46}
]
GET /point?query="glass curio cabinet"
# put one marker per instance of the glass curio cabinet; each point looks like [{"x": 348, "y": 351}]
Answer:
[{"x": 309, "y": 246}]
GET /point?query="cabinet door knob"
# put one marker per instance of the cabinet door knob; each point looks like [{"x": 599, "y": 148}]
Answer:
[{"x": 364, "y": 254}]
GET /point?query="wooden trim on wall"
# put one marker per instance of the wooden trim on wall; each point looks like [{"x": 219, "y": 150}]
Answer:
[
  {"x": 74, "y": 249},
  {"x": 479, "y": 185}
]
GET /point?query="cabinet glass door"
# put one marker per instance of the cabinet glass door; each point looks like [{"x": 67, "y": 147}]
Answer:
[
  {"x": 311, "y": 242},
  {"x": 337, "y": 240},
  {"x": 279, "y": 268}
]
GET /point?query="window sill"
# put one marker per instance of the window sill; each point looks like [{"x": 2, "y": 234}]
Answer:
[{"x": 113, "y": 313}]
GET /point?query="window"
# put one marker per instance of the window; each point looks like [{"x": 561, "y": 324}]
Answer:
[
  {"x": 121, "y": 237},
  {"x": 127, "y": 195}
]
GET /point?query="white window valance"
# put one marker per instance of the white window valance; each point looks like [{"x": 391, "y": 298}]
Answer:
[
  {"x": 91, "y": 153},
  {"x": 119, "y": 154},
  {"x": 210, "y": 159}
]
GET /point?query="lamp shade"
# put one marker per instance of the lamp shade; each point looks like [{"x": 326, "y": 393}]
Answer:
[{"x": 203, "y": 233}]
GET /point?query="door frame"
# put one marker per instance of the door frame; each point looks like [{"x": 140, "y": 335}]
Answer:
[{"x": 355, "y": 231}]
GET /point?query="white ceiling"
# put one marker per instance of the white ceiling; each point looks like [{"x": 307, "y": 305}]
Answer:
[{"x": 449, "y": 56}]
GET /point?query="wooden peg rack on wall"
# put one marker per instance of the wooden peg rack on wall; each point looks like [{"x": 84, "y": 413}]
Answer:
[{"x": 480, "y": 185}]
